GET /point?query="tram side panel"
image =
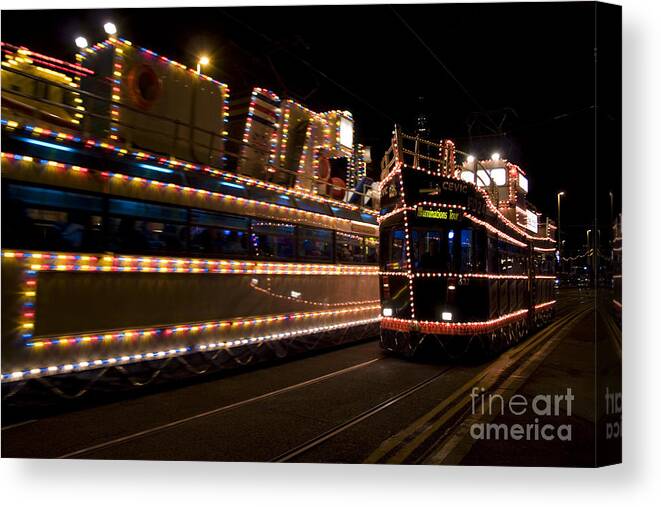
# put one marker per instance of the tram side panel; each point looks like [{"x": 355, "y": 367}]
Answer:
[{"x": 55, "y": 316}]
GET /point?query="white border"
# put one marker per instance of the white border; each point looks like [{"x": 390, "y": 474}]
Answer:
[{"x": 33, "y": 482}]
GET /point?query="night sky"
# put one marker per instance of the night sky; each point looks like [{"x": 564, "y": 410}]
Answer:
[{"x": 524, "y": 76}]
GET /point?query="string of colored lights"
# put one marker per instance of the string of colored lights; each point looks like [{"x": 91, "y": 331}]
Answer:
[
  {"x": 496, "y": 231},
  {"x": 177, "y": 331},
  {"x": 254, "y": 96},
  {"x": 457, "y": 328},
  {"x": 173, "y": 352},
  {"x": 56, "y": 261},
  {"x": 298, "y": 299},
  {"x": 489, "y": 276},
  {"x": 207, "y": 194},
  {"x": 47, "y": 60},
  {"x": 174, "y": 163},
  {"x": 407, "y": 243},
  {"x": 27, "y": 65}
]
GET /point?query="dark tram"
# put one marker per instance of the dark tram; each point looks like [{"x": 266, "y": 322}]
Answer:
[{"x": 466, "y": 263}]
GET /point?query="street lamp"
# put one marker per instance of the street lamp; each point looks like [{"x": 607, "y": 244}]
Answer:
[
  {"x": 560, "y": 194},
  {"x": 81, "y": 42},
  {"x": 204, "y": 60},
  {"x": 110, "y": 28}
]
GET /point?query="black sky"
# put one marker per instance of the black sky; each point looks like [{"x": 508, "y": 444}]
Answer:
[{"x": 536, "y": 62}]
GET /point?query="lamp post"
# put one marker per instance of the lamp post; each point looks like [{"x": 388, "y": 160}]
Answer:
[
  {"x": 560, "y": 194},
  {"x": 204, "y": 60}
]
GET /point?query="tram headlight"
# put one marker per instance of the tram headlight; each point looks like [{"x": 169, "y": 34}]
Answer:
[
  {"x": 446, "y": 316},
  {"x": 387, "y": 312}
]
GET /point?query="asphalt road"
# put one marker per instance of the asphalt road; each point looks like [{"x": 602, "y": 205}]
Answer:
[{"x": 349, "y": 405}]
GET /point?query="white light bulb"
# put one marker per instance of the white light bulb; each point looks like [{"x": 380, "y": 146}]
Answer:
[
  {"x": 495, "y": 156},
  {"x": 110, "y": 28},
  {"x": 81, "y": 42}
]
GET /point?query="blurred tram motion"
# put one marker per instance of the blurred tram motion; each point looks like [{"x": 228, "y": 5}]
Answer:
[
  {"x": 466, "y": 262},
  {"x": 141, "y": 232}
]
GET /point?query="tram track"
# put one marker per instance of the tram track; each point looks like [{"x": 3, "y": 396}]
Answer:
[
  {"x": 414, "y": 443},
  {"x": 340, "y": 428},
  {"x": 215, "y": 411},
  {"x": 517, "y": 357}
]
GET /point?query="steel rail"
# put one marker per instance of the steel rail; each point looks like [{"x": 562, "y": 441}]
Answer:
[
  {"x": 336, "y": 430},
  {"x": 218, "y": 410}
]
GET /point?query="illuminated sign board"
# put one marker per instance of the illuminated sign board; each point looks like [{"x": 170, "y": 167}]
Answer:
[
  {"x": 531, "y": 221},
  {"x": 523, "y": 182},
  {"x": 438, "y": 214},
  {"x": 346, "y": 132}
]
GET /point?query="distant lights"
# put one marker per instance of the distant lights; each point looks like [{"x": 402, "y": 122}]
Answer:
[
  {"x": 470, "y": 159},
  {"x": 495, "y": 156},
  {"x": 81, "y": 42},
  {"x": 446, "y": 316}
]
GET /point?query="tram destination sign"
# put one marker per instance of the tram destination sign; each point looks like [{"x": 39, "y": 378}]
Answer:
[
  {"x": 422, "y": 187},
  {"x": 438, "y": 214}
]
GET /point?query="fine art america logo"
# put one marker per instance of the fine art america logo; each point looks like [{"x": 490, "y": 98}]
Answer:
[{"x": 489, "y": 406}]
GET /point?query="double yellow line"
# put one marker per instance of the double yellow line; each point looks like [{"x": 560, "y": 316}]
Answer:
[{"x": 398, "y": 448}]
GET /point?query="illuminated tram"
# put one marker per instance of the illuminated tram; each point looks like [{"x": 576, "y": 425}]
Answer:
[
  {"x": 142, "y": 233},
  {"x": 466, "y": 263}
]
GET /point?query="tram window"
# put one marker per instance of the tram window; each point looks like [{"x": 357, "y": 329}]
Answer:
[
  {"x": 314, "y": 206},
  {"x": 371, "y": 249},
  {"x": 140, "y": 209},
  {"x": 265, "y": 195},
  {"x": 349, "y": 214},
  {"x": 199, "y": 217},
  {"x": 216, "y": 233},
  {"x": 466, "y": 244},
  {"x": 47, "y": 197},
  {"x": 395, "y": 259},
  {"x": 348, "y": 247},
  {"x": 141, "y": 226},
  {"x": 428, "y": 250},
  {"x": 521, "y": 265},
  {"x": 134, "y": 235},
  {"x": 479, "y": 257},
  {"x": 315, "y": 244},
  {"x": 451, "y": 249},
  {"x": 492, "y": 253},
  {"x": 43, "y": 218},
  {"x": 369, "y": 218},
  {"x": 273, "y": 240}
]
